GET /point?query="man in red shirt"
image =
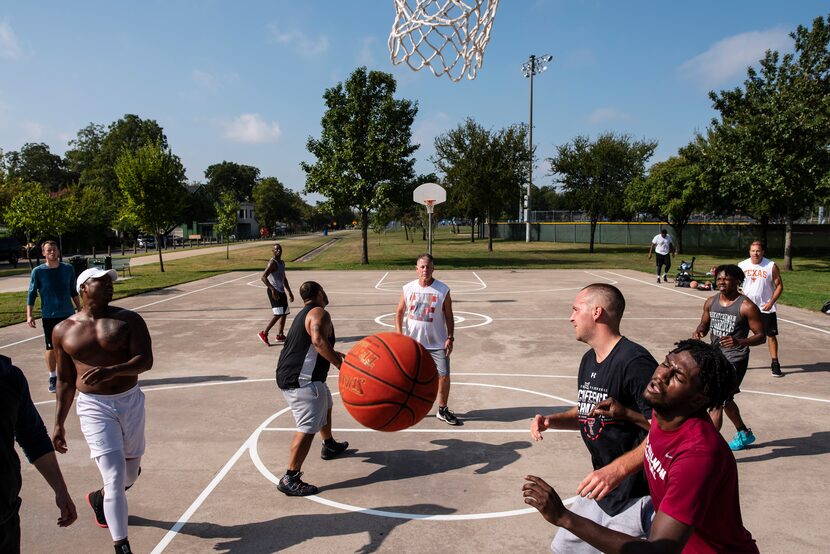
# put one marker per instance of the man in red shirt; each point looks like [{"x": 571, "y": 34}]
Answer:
[{"x": 692, "y": 474}]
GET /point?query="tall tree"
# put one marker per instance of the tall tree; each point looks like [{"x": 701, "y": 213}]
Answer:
[
  {"x": 273, "y": 203},
  {"x": 36, "y": 214},
  {"x": 484, "y": 170},
  {"x": 365, "y": 146},
  {"x": 229, "y": 176},
  {"x": 772, "y": 140},
  {"x": 597, "y": 173},
  {"x": 226, "y": 211},
  {"x": 673, "y": 190},
  {"x": 151, "y": 180},
  {"x": 36, "y": 164}
]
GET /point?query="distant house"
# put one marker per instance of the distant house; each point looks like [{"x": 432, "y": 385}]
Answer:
[{"x": 247, "y": 226}]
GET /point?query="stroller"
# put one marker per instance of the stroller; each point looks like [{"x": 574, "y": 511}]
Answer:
[{"x": 685, "y": 273}]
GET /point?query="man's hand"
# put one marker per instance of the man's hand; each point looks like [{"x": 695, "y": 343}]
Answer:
[
  {"x": 448, "y": 346},
  {"x": 698, "y": 334},
  {"x": 291, "y": 296},
  {"x": 537, "y": 426},
  {"x": 96, "y": 375},
  {"x": 59, "y": 439},
  {"x": 649, "y": 255},
  {"x": 728, "y": 342},
  {"x": 610, "y": 407},
  {"x": 30, "y": 321},
  {"x": 68, "y": 512},
  {"x": 767, "y": 307},
  {"x": 340, "y": 357},
  {"x": 600, "y": 482},
  {"x": 541, "y": 496}
]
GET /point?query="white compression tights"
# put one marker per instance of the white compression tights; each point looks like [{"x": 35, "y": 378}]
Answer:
[{"x": 117, "y": 474}]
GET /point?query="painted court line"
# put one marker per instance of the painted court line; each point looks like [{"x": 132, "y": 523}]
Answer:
[
  {"x": 377, "y": 285},
  {"x": 440, "y": 431},
  {"x": 483, "y": 284}
]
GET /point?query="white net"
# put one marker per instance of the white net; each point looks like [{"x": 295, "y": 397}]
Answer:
[{"x": 448, "y": 36}]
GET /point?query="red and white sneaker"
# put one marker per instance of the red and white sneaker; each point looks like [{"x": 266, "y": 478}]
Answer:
[
  {"x": 264, "y": 338},
  {"x": 280, "y": 338}
]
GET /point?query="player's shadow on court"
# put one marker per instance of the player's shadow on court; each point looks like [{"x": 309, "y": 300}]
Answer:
[
  {"x": 813, "y": 445},
  {"x": 809, "y": 368},
  {"x": 282, "y": 533},
  {"x": 191, "y": 379},
  {"x": 455, "y": 454},
  {"x": 518, "y": 413},
  {"x": 353, "y": 338}
]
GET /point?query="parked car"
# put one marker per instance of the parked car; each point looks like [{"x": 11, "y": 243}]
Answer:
[
  {"x": 11, "y": 250},
  {"x": 146, "y": 242}
]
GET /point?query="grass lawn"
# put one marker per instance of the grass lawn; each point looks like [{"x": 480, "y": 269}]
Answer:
[{"x": 808, "y": 286}]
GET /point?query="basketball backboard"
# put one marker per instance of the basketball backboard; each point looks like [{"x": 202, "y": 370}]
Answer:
[{"x": 429, "y": 194}]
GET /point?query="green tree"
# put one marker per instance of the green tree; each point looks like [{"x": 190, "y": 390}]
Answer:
[
  {"x": 198, "y": 204},
  {"x": 673, "y": 190},
  {"x": 36, "y": 164},
  {"x": 273, "y": 203},
  {"x": 484, "y": 170},
  {"x": 772, "y": 141},
  {"x": 151, "y": 180},
  {"x": 230, "y": 176},
  {"x": 226, "y": 210},
  {"x": 597, "y": 173},
  {"x": 365, "y": 147},
  {"x": 34, "y": 213}
]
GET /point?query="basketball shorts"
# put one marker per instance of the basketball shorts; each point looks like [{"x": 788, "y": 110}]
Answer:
[
  {"x": 442, "y": 361},
  {"x": 770, "y": 323},
  {"x": 310, "y": 405},
  {"x": 663, "y": 259},
  {"x": 740, "y": 372},
  {"x": 48, "y": 324},
  {"x": 112, "y": 422},
  {"x": 634, "y": 520},
  {"x": 279, "y": 302}
]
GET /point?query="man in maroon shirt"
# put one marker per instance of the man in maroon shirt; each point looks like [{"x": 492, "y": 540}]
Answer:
[{"x": 692, "y": 474}]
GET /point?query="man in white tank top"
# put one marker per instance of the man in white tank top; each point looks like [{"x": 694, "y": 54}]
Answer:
[
  {"x": 425, "y": 314},
  {"x": 763, "y": 286}
]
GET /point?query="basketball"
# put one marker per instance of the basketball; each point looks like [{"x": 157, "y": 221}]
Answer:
[
  {"x": 693, "y": 284},
  {"x": 388, "y": 382}
]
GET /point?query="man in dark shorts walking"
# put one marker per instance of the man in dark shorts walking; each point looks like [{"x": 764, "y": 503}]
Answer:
[
  {"x": 54, "y": 282},
  {"x": 692, "y": 475},
  {"x": 277, "y": 285},
  {"x": 615, "y": 494},
  {"x": 663, "y": 247},
  {"x": 729, "y": 316},
  {"x": 101, "y": 351},
  {"x": 301, "y": 376}
]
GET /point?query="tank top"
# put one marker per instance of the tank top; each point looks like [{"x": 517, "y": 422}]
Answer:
[
  {"x": 277, "y": 277},
  {"x": 299, "y": 362},
  {"x": 727, "y": 321},
  {"x": 424, "y": 318},
  {"x": 758, "y": 285}
]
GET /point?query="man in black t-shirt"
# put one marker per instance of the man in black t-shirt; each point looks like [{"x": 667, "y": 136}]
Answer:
[{"x": 612, "y": 377}]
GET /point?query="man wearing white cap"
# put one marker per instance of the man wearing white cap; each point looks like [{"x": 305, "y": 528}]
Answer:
[{"x": 100, "y": 352}]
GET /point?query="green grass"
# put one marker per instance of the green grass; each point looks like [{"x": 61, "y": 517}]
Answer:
[{"x": 808, "y": 286}]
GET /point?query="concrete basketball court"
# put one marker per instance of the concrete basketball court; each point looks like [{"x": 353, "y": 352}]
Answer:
[{"x": 218, "y": 430}]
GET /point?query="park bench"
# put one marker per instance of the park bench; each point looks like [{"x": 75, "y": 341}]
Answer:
[{"x": 121, "y": 265}]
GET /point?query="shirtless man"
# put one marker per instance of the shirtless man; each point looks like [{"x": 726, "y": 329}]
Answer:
[{"x": 100, "y": 352}]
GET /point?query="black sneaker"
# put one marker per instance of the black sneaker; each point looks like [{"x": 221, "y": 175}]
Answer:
[
  {"x": 96, "y": 502},
  {"x": 665, "y": 278},
  {"x": 53, "y": 385},
  {"x": 776, "y": 369},
  {"x": 658, "y": 279},
  {"x": 444, "y": 414},
  {"x": 123, "y": 548},
  {"x": 327, "y": 453},
  {"x": 294, "y": 486}
]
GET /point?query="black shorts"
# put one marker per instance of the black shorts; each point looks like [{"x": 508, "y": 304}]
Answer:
[
  {"x": 663, "y": 259},
  {"x": 279, "y": 302},
  {"x": 48, "y": 324},
  {"x": 10, "y": 532},
  {"x": 740, "y": 372},
  {"x": 770, "y": 324}
]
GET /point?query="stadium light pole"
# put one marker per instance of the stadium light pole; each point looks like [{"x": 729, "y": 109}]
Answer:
[{"x": 533, "y": 66}]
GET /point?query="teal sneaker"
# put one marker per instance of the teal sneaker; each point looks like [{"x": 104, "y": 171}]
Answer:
[{"x": 742, "y": 440}]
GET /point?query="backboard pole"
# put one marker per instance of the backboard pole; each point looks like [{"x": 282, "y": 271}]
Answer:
[{"x": 530, "y": 171}]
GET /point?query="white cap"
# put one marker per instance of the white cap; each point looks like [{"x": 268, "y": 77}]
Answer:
[{"x": 94, "y": 273}]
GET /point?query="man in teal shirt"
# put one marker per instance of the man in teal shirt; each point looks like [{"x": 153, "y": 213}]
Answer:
[{"x": 54, "y": 282}]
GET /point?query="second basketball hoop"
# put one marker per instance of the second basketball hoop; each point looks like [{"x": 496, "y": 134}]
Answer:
[{"x": 429, "y": 194}]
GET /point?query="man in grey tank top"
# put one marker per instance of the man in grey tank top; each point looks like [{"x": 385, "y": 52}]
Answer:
[{"x": 729, "y": 316}]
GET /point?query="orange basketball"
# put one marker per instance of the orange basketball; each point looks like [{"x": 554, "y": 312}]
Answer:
[{"x": 388, "y": 382}]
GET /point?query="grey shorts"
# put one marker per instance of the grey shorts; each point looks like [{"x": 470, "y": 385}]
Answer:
[
  {"x": 310, "y": 405},
  {"x": 634, "y": 520},
  {"x": 442, "y": 361}
]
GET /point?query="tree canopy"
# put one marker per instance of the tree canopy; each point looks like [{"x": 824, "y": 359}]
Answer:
[
  {"x": 233, "y": 177},
  {"x": 365, "y": 145}
]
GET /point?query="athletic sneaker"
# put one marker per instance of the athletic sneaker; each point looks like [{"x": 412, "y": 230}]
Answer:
[
  {"x": 280, "y": 338},
  {"x": 53, "y": 384},
  {"x": 665, "y": 278},
  {"x": 658, "y": 279},
  {"x": 263, "y": 337},
  {"x": 742, "y": 440},
  {"x": 327, "y": 453},
  {"x": 444, "y": 414},
  {"x": 776, "y": 369},
  {"x": 294, "y": 486},
  {"x": 123, "y": 548},
  {"x": 96, "y": 502}
]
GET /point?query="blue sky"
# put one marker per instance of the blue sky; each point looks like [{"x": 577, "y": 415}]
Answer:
[{"x": 243, "y": 81}]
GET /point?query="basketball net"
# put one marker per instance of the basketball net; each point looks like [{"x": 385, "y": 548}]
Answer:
[
  {"x": 430, "y": 204},
  {"x": 448, "y": 36}
]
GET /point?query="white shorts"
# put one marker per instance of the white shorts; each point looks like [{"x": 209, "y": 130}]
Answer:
[
  {"x": 112, "y": 422},
  {"x": 442, "y": 361},
  {"x": 310, "y": 405},
  {"x": 634, "y": 520}
]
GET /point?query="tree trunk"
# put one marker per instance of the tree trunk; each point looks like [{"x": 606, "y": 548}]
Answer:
[
  {"x": 788, "y": 243},
  {"x": 593, "y": 230},
  {"x": 364, "y": 223},
  {"x": 472, "y": 233},
  {"x": 228, "y": 248},
  {"x": 678, "y": 228},
  {"x": 490, "y": 227},
  {"x": 406, "y": 232},
  {"x": 158, "y": 247}
]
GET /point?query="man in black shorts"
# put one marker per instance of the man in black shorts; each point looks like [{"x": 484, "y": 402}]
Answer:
[
  {"x": 277, "y": 286},
  {"x": 301, "y": 375}
]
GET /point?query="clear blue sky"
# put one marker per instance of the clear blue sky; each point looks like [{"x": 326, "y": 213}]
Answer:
[{"x": 243, "y": 81}]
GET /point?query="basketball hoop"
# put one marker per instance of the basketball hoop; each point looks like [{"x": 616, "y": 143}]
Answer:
[
  {"x": 430, "y": 204},
  {"x": 429, "y": 194},
  {"x": 425, "y": 31}
]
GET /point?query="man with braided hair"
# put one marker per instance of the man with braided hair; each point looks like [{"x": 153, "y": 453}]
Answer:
[{"x": 692, "y": 475}]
